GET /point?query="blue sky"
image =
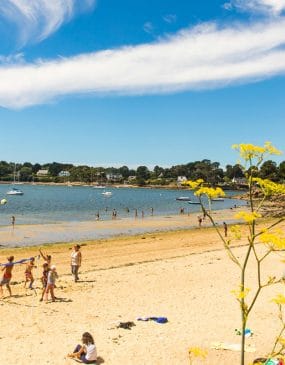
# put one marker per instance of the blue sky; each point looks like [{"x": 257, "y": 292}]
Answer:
[{"x": 111, "y": 82}]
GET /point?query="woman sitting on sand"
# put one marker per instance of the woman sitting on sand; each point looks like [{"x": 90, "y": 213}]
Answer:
[{"x": 86, "y": 353}]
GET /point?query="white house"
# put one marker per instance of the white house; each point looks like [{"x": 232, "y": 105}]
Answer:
[
  {"x": 240, "y": 180},
  {"x": 42, "y": 173},
  {"x": 64, "y": 173},
  {"x": 114, "y": 177},
  {"x": 181, "y": 179}
]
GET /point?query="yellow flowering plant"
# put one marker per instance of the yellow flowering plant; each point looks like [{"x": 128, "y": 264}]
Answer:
[
  {"x": 273, "y": 240},
  {"x": 197, "y": 352}
]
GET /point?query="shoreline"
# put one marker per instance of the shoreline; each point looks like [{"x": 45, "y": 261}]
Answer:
[
  {"x": 41, "y": 234},
  {"x": 120, "y": 186}
]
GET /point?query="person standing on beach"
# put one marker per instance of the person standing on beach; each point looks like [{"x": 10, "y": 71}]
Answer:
[
  {"x": 225, "y": 229},
  {"x": 47, "y": 258},
  {"x": 51, "y": 278},
  {"x": 136, "y": 213},
  {"x": 44, "y": 279},
  {"x": 8, "y": 267},
  {"x": 151, "y": 211},
  {"x": 76, "y": 258},
  {"x": 200, "y": 221},
  {"x": 13, "y": 220},
  {"x": 29, "y": 272}
]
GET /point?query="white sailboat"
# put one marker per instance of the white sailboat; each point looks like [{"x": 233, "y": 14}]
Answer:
[
  {"x": 14, "y": 191},
  {"x": 107, "y": 193}
]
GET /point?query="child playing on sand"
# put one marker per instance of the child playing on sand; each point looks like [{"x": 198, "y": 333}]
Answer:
[
  {"x": 44, "y": 279},
  {"x": 51, "y": 278},
  {"x": 86, "y": 353},
  {"x": 29, "y": 272},
  {"x": 76, "y": 259},
  {"x": 7, "y": 275},
  {"x": 47, "y": 258}
]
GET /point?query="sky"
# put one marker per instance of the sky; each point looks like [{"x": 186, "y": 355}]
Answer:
[{"x": 165, "y": 82}]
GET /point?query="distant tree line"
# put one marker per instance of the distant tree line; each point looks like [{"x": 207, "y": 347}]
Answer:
[{"x": 211, "y": 172}]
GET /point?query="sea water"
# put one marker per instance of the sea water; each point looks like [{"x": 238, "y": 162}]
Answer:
[{"x": 52, "y": 204}]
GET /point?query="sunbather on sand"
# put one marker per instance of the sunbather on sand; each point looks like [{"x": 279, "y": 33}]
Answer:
[{"x": 87, "y": 353}]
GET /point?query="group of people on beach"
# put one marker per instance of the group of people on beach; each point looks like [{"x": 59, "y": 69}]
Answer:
[
  {"x": 86, "y": 352},
  {"x": 49, "y": 273}
]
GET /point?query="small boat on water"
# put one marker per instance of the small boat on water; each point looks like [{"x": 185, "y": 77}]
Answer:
[
  {"x": 107, "y": 193},
  {"x": 183, "y": 198},
  {"x": 217, "y": 199},
  {"x": 196, "y": 202},
  {"x": 99, "y": 187},
  {"x": 15, "y": 191}
]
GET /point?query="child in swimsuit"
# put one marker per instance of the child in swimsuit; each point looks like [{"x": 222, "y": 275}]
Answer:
[
  {"x": 52, "y": 276},
  {"x": 44, "y": 279},
  {"x": 28, "y": 272},
  {"x": 7, "y": 275}
]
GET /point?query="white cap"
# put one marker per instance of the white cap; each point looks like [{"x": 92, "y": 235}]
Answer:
[{"x": 53, "y": 267}]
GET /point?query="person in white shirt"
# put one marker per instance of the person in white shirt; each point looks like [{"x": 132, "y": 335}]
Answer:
[
  {"x": 87, "y": 353},
  {"x": 76, "y": 259},
  {"x": 51, "y": 278}
]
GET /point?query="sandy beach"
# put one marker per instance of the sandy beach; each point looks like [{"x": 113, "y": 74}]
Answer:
[{"x": 184, "y": 275}]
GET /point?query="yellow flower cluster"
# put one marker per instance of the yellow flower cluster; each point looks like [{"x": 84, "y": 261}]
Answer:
[
  {"x": 249, "y": 151},
  {"x": 193, "y": 184},
  {"x": 210, "y": 192},
  {"x": 280, "y": 299},
  {"x": 269, "y": 187},
  {"x": 274, "y": 240},
  {"x": 198, "y": 352},
  {"x": 240, "y": 294},
  {"x": 236, "y": 231},
  {"x": 248, "y": 217}
]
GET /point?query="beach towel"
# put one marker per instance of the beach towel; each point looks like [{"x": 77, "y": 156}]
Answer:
[
  {"x": 231, "y": 346},
  {"x": 156, "y": 319}
]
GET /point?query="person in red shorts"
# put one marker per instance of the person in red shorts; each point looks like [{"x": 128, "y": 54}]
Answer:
[{"x": 7, "y": 275}]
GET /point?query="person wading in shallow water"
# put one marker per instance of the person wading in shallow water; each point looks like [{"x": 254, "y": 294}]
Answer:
[
  {"x": 76, "y": 259},
  {"x": 13, "y": 220}
]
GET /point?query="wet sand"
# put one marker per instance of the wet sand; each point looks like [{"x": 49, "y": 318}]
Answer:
[{"x": 29, "y": 235}]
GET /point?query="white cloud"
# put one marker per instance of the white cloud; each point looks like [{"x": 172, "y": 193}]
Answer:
[
  {"x": 170, "y": 18},
  {"x": 148, "y": 27},
  {"x": 37, "y": 19},
  {"x": 273, "y": 7},
  {"x": 202, "y": 57}
]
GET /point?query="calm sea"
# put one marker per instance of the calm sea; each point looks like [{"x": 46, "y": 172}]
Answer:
[{"x": 52, "y": 204}]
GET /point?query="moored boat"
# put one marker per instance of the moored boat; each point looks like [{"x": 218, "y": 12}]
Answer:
[
  {"x": 183, "y": 198},
  {"x": 15, "y": 191}
]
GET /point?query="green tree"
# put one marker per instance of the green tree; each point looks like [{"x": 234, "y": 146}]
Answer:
[
  {"x": 54, "y": 168},
  {"x": 142, "y": 173},
  {"x": 281, "y": 170},
  {"x": 26, "y": 173},
  {"x": 269, "y": 170}
]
